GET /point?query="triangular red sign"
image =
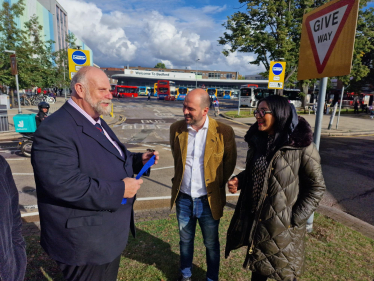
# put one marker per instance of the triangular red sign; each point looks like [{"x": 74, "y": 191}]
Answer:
[{"x": 324, "y": 28}]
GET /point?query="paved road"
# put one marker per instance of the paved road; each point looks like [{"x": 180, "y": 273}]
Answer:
[{"x": 346, "y": 162}]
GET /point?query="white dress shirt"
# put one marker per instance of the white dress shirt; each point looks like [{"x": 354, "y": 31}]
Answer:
[
  {"x": 89, "y": 118},
  {"x": 193, "y": 182}
]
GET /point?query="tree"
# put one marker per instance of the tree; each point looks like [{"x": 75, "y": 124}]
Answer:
[
  {"x": 241, "y": 77},
  {"x": 60, "y": 58},
  {"x": 272, "y": 31},
  {"x": 362, "y": 72},
  {"x": 160, "y": 65},
  {"x": 10, "y": 36}
]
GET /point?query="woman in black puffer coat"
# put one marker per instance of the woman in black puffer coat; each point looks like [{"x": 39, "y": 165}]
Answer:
[{"x": 281, "y": 187}]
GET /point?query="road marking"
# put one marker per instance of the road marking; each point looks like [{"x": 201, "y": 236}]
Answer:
[
  {"x": 23, "y": 174},
  {"x": 169, "y": 197},
  {"x": 15, "y": 159},
  {"x": 29, "y": 214},
  {"x": 239, "y": 168},
  {"x": 167, "y": 149},
  {"x": 147, "y": 145},
  {"x": 8, "y": 151},
  {"x": 162, "y": 168}
]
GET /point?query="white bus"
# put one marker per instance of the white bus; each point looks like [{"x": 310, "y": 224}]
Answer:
[{"x": 247, "y": 95}]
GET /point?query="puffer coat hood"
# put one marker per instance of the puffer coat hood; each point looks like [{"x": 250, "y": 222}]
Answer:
[{"x": 292, "y": 190}]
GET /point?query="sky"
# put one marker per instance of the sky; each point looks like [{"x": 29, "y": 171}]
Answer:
[{"x": 145, "y": 32}]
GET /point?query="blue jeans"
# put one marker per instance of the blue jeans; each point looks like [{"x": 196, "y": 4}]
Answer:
[{"x": 190, "y": 210}]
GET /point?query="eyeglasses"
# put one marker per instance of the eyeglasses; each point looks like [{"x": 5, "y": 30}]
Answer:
[{"x": 261, "y": 112}]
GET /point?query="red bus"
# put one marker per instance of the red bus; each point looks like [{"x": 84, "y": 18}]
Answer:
[
  {"x": 122, "y": 91},
  {"x": 166, "y": 90}
]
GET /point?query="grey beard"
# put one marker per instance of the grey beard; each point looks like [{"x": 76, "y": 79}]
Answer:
[{"x": 97, "y": 107}]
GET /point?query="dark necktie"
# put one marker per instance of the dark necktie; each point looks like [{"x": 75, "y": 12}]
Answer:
[{"x": 98, "y": 126}]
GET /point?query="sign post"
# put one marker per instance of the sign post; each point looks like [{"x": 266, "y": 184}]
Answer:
[
  {"x": 340, "y": 107},
  {"x": 77, "y": 59},
  {"x": 326, "y": 50},
  {"x": 14, "y": 71},
  {"x": 276, "y": 75}
]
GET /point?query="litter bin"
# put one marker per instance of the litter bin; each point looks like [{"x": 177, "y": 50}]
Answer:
[
  {"x": 25, "y": 123},
  {"x": 4, "y": 124}
]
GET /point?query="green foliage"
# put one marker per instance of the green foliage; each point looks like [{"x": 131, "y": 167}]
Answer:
[
  {"x": 160, "y": 65},
  {"x": 37, "y": 64},
  {"x": 272, "y": 31}
]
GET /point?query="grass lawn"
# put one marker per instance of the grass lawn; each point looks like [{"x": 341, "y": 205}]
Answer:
[
  {"x": 334, "y": 252},
  {"x": 249, "y": 112}
]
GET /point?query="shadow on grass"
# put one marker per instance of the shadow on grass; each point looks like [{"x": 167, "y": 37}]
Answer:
[
  {"x": 156, "y": 253},
  {"x": 39, "y": 265}
]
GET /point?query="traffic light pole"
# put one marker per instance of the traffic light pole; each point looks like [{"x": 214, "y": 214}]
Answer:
[{"x": 18, "y": 98}]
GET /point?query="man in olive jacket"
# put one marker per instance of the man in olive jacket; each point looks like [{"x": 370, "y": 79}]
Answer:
[{"x": 204, "y": 152}]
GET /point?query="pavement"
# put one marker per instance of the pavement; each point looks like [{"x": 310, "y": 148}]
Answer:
[{"x": 349, "y": 124}]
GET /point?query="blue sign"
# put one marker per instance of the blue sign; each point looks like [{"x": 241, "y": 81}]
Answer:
[
  {"x": 277, "y": 69},
  {"x": 79, "y": 57}
]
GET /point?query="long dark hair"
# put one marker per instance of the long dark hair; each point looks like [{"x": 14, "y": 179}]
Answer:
[{"x": 281, "y": 110}]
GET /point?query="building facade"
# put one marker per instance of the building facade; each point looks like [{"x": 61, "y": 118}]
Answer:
[
  {"x": 148, "y": 78},
  {"x": 52, "y": 17},
  {"x": 204, "y": 74}
]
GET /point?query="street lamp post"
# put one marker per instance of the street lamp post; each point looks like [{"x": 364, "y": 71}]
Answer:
[
  {"x": 16, "y": 75},
  {"x": 196, "y": 72}
]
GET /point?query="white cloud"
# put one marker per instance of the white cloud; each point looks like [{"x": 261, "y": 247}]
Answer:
[
  {"x": 108, "y": 42},
  {"x": 213, "y": 9},
  {"x": 145, "y": 35}
]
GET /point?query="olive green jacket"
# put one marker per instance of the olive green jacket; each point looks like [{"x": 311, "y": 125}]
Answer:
[{"x": 219, "y": 161}]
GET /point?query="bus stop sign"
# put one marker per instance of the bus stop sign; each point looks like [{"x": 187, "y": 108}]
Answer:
[
  {"x": 327, "y": 40},
  {"x": 77, "y": 59},
  {"x": 276, "y": 75}
]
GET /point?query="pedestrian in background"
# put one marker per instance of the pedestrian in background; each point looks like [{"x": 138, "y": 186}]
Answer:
[
  {"x": 281, "y": 187},
  {"x": 82, "y": 174},
  {"x": 216, "y": 107},
  {"x": 204, "y": 152},
  {"x": 355, "y": 106},
  {"x": 13, "y": 248},
  {"x": 149, "y": 94}
]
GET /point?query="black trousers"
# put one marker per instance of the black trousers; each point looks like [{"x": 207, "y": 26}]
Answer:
[{"x": 104, "y": 272}]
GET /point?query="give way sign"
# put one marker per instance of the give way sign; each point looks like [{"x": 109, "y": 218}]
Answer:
[{"x": 327, "y": 40}]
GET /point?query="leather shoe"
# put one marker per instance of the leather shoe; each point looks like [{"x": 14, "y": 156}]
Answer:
[{"x": 181, "y": 278}]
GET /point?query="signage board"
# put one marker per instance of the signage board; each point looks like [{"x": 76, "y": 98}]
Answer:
[
  {"x": 327, "y": 40},
  {"x": 13, "y": 64},
  {"x": 276, "y": 75},
  {"x": 77, "y": 59},
  {"x": 159, "y": 74}
]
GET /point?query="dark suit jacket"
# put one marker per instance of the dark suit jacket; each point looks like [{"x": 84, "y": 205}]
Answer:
[
  {"x": 78, "y": 175},
  {"x": 12, "y": 246}
]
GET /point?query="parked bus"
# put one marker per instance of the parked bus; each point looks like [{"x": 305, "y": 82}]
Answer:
[
  {"x": 143, "y": 91},
  {"x": 112, "y": 88},
  {"x": 212, "y": 92},
  {"x": 155, "y": 90},
  {"x": 227, "y": 94},
  {"x": 293, "y": 95},
  {"x": 166, "y": 90},
  {"x": 247, "y": 95},
  {"x": 122, "y": 91},
  {"x": 220, "y": 93},
  {"x": 182, "y": 93}
]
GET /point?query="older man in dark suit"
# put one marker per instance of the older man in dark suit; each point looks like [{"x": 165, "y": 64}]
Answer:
[{"x": 82, "y": 173}]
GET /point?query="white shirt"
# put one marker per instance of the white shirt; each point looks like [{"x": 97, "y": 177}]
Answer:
[
  {"x": 193, "y": 182},
  {"x": 89, "y": 118}
]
